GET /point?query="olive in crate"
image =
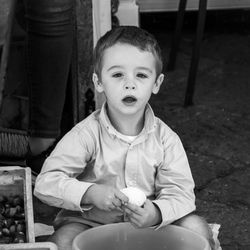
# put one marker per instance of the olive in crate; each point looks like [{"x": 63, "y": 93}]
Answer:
[{"x": 12, "y": 219}]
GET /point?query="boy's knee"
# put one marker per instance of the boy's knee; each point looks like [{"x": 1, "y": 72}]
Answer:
[
  {"x": 194, "y": 223},
  {"x": 198, "y": 225},
  {"x": 64, "y": 236}
]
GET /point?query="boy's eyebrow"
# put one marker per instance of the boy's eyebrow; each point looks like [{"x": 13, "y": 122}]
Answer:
[
  {"x": 145, "y": 68},
  {"x": 138, "y": 68},
  {"x": 114, "y": 67}
]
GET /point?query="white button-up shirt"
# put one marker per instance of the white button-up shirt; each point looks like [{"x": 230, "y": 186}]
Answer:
[{"x": 95, "y": 152}]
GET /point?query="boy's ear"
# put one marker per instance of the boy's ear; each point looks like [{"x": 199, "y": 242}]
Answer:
[
  {"x": 97, "y": 83},
  {"x": 158, "y": 83}
]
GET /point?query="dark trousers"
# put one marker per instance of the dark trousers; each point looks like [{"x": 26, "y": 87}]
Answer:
[{"x": 49, "y": 26}]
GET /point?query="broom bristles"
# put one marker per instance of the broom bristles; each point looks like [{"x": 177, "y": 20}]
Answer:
[{"x": 13, "y": 143}]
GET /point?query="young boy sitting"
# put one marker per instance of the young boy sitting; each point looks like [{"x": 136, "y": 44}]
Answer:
[{"x": 121, "y": 145}]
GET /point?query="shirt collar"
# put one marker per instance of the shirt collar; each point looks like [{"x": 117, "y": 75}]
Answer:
[{"x": 149, "y": 123}]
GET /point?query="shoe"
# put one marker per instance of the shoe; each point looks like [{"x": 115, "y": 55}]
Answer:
[{"x": 35, "y": 162}]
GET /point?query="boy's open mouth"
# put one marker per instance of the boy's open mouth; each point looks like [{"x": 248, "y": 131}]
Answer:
[{"x": 129, "y": 100}]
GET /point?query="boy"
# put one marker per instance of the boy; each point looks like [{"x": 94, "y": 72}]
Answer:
[{"x": 121, "y": 145}]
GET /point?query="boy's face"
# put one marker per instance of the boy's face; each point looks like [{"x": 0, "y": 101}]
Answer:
[{"x": 128, "y": 78}]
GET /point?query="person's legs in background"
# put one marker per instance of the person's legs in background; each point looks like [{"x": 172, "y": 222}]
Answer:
[{"x": 49, "y": 26}]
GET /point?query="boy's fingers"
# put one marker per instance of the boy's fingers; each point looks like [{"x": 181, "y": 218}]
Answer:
[
  {"x": 110, "y": 207},
  {"x": 131, "y": 206},
  {"x": 147, "y": 203},
  {"x": 116, "y": 202},
  {"x": 133, "y": 209},
  {"x": 121, "y": 196},
  {"x": 120, "y": 210},
  {"x": 135, "y": 221},
  {"x": 127, "y": 210}
]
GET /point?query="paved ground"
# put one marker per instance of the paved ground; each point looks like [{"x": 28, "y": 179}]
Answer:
[{"x": 216, "y": 130}]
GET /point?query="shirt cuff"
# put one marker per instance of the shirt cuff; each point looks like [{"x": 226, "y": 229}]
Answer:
[
  {"x": 167, "y": 213},
  {"x": 73, "y": 194}
]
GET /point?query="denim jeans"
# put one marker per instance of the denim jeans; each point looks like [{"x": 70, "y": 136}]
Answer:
[{"x": 49, "y": 26}]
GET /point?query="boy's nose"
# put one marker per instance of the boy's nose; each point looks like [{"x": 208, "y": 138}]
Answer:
[{"x": 129, "y": 84}]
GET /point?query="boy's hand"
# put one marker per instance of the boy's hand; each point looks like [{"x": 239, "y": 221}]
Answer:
[
  {"x": 104, "y": 197},
  {"x": 103, "y": 217},
  {"x": 146, "y": 216}
]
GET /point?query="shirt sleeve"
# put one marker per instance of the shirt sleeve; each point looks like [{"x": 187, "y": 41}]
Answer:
[
  {"x": 57, "y": 183},
  {"x": 174, "y": 183}
]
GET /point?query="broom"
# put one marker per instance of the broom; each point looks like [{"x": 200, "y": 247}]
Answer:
[{"x": 13, "y": 143}]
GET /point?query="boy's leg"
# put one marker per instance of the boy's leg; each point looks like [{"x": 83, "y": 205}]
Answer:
[
  {"x": 64, "y": 236},
  {"x": 198, "y": 225}
]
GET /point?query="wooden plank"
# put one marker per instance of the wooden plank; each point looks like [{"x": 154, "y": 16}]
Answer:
[
  {"x": 172, "y": 5},
  {"x": 30, "y": 246}
]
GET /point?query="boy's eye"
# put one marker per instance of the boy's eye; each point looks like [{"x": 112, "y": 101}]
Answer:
[
  {"x": 141, "y": 75},
  {"x": 117, "y": 75}
]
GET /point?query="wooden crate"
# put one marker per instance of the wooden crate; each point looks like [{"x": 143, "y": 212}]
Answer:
[
  {"x": 15, "y": 180},
  {"x": 30, "y": 246}
]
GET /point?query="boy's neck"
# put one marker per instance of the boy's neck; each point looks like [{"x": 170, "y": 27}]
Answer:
[{"x": 129, "y": 125}]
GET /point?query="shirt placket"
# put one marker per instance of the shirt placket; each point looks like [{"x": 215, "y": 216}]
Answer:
[{"x": 131, "y": 166}]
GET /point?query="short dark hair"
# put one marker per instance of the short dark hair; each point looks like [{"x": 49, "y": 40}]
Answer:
[{"x": 131, "y": 35}]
